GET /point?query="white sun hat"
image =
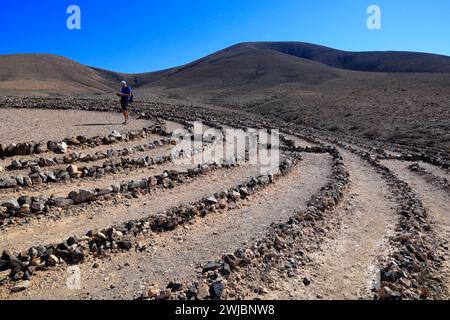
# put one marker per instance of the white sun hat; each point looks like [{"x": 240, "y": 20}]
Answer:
[{"x": 123, "y": 82}]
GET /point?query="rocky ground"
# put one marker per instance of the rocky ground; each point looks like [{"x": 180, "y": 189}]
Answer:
[{"x": 340, "y": 217}]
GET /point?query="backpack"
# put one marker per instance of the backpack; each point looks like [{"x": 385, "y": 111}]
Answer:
[{"x": 132, "y": 96}]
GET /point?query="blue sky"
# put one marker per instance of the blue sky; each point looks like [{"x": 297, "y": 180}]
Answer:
[{"x": 148, "y": 35}]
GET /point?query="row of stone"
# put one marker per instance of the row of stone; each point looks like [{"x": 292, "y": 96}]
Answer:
[
  {"x": 124, "y": 236},
  {"x": 170, "y": 219},
  {"x": 441, "y": 182},
  {"x": 413, "y": 269},
  {"x": 112, "y": 166},
  {"x": 27, "y": 148},
  {"x": 25, "y": 205},
  {"x": 215, "y": 288},
  {"x": 86, "y": 157},
  {"x": 37, "y": 177},
  {"x": 214, "y": 281},
  {"x": 22, "y": 266},
  {"x": 436, "y": 161},
  {"x": 173, "y": 111}
]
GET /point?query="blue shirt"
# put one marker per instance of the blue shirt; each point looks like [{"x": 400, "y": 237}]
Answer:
[{"x": 126, "y": 90}]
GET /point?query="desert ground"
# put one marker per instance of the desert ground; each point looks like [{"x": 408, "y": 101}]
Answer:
[{"x": 93, "y": 209}]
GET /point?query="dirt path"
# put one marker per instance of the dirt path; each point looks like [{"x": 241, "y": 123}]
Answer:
[
  {"x": 43, "y": 124},
  {"x": 345, "y": 266},
  {"x": 434, "y": 199},
  {"x": 176, "y": 253}
]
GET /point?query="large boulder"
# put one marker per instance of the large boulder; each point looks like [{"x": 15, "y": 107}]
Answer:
[
  {"x": 35, "y": 178},
  {"x": 125, "y": 244},
  {"x": 105, "y": 191},
  {"x": 62, "y": 147},
  {"x": 15, "y": 164},
  {"x": 11, "y": 149},
  {"x": 20, "y": 286},
  {"x": 82, "y": 139},
  {"x": 20, "y": 180},
  {"x": 137, "y": 184},
  {"x": 73, "y": 141},
  {"x": 38, "y": 206}
]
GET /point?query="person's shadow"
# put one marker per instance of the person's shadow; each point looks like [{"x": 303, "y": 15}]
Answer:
[{"x": 96, "y": 124}]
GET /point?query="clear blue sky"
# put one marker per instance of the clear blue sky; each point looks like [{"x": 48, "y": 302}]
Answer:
[{"x": 148, "y": 35}]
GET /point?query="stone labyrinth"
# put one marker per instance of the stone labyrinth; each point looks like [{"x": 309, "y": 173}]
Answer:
[{"x": 118, "y": 215}]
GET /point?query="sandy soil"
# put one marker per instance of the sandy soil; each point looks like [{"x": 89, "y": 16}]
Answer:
[{"x": 35, "y": 125}]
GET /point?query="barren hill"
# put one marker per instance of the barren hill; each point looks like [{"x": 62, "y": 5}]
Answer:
[
  {"x": 260, "y": 64},
  {"x": 42, "y": 74},
  {"x": 268, "y": 64},
  {"x": 387, "y": 61}
]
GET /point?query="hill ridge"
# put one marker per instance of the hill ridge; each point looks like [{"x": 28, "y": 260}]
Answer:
[{"x": 267, "y": 63}]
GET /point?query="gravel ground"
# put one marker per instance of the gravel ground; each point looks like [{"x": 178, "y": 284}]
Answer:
[{"x": 35, "y": 125}]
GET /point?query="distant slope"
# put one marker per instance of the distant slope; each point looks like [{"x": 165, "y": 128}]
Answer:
[
  {"x": 43, "y": 73},
  {"x": 254, "y": 65},
  {"x": 270, "y": 64},
  {"x": 387, "y": 61},
  {"x": 235, "y": 68}
]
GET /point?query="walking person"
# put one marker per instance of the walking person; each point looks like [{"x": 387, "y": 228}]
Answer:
[{"x": 125, "y": 95}]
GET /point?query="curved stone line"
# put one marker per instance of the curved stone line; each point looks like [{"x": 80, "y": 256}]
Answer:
[
  {"x": 211, "y": 284},
  {"x": 442, "y": 183},
  {"x": 24, "y": 205},
  {"x": 413, "y": 269},
  {"x": 36, "y": 177},
  {"x": 74, "y": 249},
  {"x": 188, "y": 111},
  {"x": 27, "y": 148},
  {"x": 85, "y": 157}
]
